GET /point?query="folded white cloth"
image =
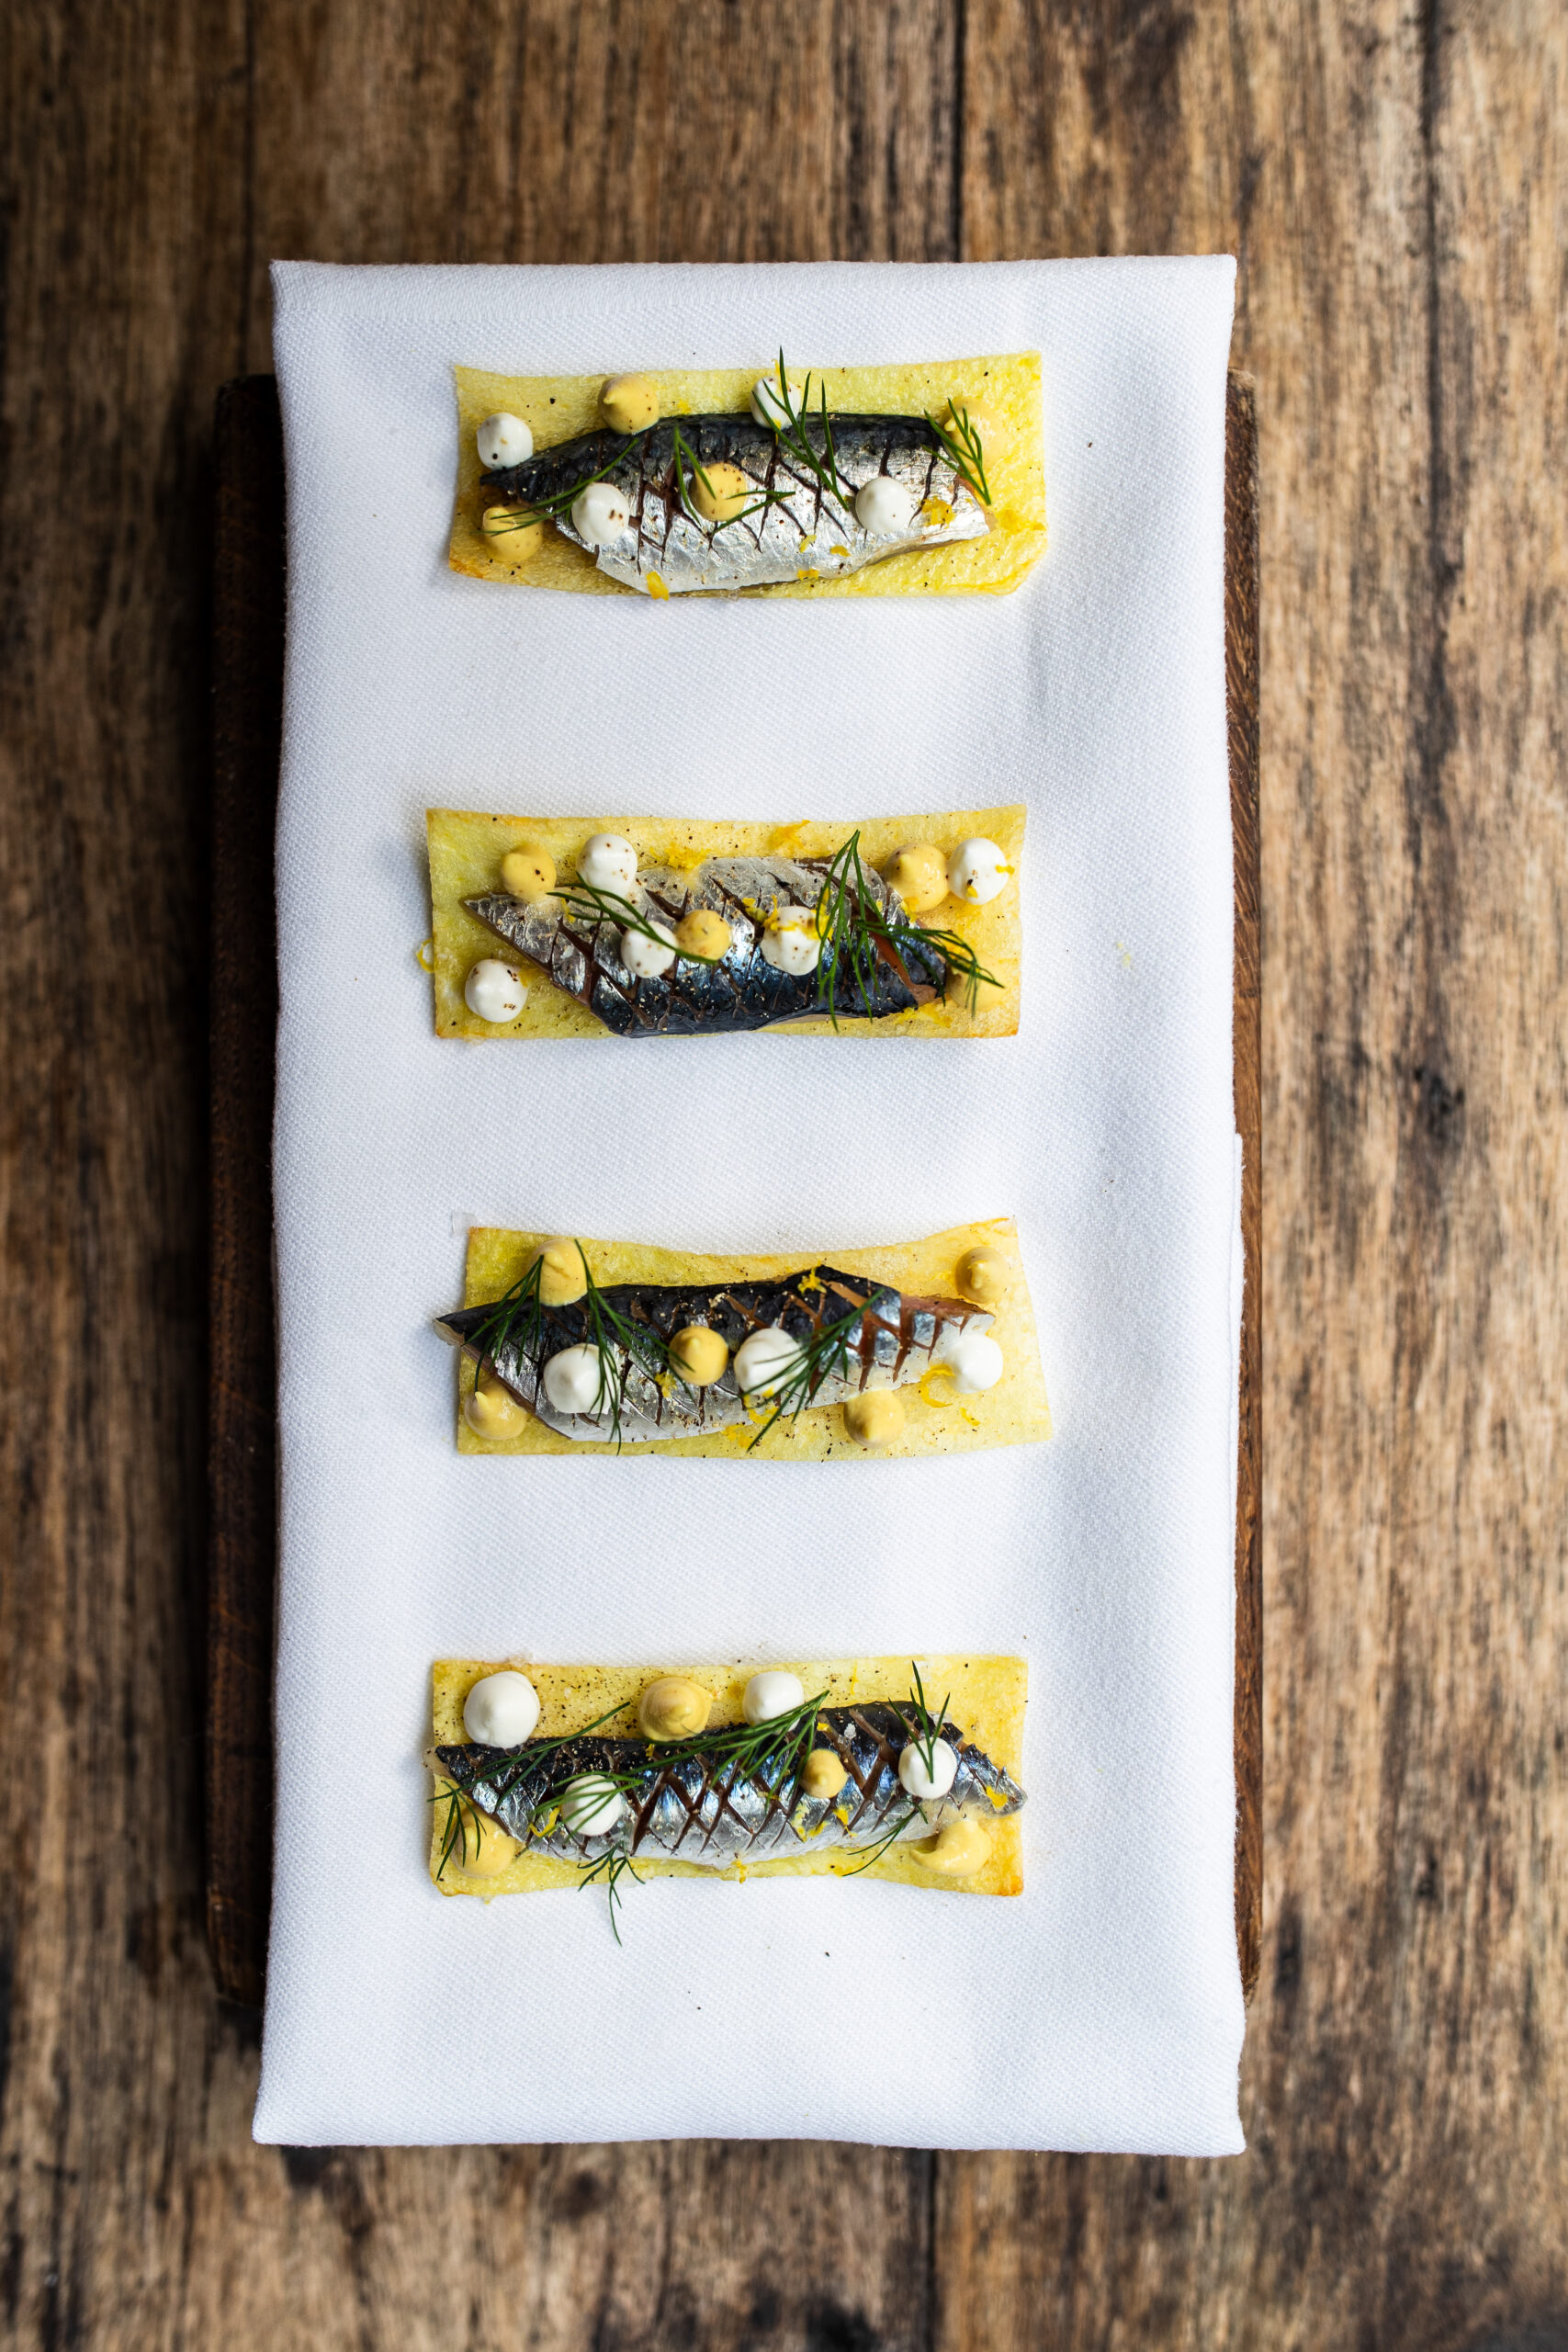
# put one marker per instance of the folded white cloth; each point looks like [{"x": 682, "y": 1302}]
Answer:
[{"x": 1103, "y": 2008}]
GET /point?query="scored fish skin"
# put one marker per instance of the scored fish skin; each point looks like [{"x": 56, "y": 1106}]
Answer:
[
  {"x": 745, "y": 991},
  {"x": 810, "y": 532},
  {"x": 893, "y": 1343},
  {"x": 698, "y": 1809}
]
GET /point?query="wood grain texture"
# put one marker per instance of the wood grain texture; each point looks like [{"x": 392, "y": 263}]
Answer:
[
  {"x": 1243, "y": 657},
  {"x": 1395, "y": 183}
]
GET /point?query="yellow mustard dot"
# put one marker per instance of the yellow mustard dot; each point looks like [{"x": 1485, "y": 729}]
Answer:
[
  {"x": 698, "y": 1356},
  {"x": 972, "y": 993},
  {"x": 824, "y": 1774},
  {"x": 982, "y": 1275},
  {"x": 702, "y": 932},
  {"x": 724, "y": 494},
  {"x": 563, "y": 1279},
  {"x": 630, "y": 404},
  {"x": 482, "y": 1850},
  {"x": 513, "y": 533},
  {"x": 918, "y": 874},
  {"x": 528, "y": 872},
  {"x": 875, "y": 1417},
  {"x": 957, "y": 1850},
  {"x": 491, "y": 1411},
  {"x": 673, "y": 1707}
]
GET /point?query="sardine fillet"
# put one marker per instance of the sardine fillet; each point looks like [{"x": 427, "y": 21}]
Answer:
[
  {"x": 796, "y": 527},
  {"x": 742, "y": 992},
  {"x": 466, "y": 848},
  {"x": 893, "y": 1341},
  {"x": 983, "y": 1717},
  {"x": 1015, "y": 1412},
  {"x": 561, "y": 407},
  {"x": 698, "y": 1809}
]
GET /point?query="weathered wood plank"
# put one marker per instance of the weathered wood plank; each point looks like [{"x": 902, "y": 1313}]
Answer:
[
  {"x": 1243, "y": 651},
  {"x": 122, "y": 258},
  {"x": 622, "y": 132},
  {"x": 1396, "y": 185}
]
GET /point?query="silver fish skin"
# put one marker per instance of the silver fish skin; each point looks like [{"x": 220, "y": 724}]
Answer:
[
  {"x": 808, "y": 531},
  {"x": 743, "y": 992},
  {"x": 695, "y": 1809},
  {"x": 893, "y": 1343}
]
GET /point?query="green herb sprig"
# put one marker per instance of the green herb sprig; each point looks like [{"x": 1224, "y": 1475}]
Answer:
[
  {"x": 620, "y": 1344},
  {"x": 961, "y": 445},
  {"x": 513, "y": 519},
  {"x": 926, "y": 1729},
  {"x": 825, "y": 1355},
  {"x": 455, "y": 1836},
  {"x": 794, "y": 439},
  {"x": 883, "y": 1844},
  {"x": 585, "y": 901},
  {"x": 746, "y": 1748},
  {"x": 524, "y": 1759},
  {"x": 740, "y": 1750},
  {"x": 553, "y": 504},
  {"x": 516, "y": 1321},
  {"x": 687, "y": 463},
  {"x": 854, "y": 926},
  {"x": 516, "y": 1318},
  {"x": 612, "y": 1866},
  {"x": 743, "y": 1749},
  {"x": 924, "y": 1733}
]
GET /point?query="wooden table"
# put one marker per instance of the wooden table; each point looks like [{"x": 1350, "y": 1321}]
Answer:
[{"x": 1395, "y": 185}]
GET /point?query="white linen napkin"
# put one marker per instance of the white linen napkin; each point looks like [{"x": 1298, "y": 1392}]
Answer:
[{"x": 1103, "y": 2008}]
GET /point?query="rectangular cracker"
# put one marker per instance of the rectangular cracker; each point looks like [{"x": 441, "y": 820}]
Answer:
[
  {"x": 989, "y": 1696},
  {"x": 557, "y": 408},
  {"x": 1015, "y": 1412},
  {"x": 466, "y": 848}
]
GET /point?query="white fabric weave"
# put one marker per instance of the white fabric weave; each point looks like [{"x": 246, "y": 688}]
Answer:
[{"x": 1103, "y": 2008}]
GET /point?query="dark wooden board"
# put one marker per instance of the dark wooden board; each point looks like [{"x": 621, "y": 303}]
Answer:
[
  {"x": 248, "y": 712},
  {"x": 247, "y": 708}
]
